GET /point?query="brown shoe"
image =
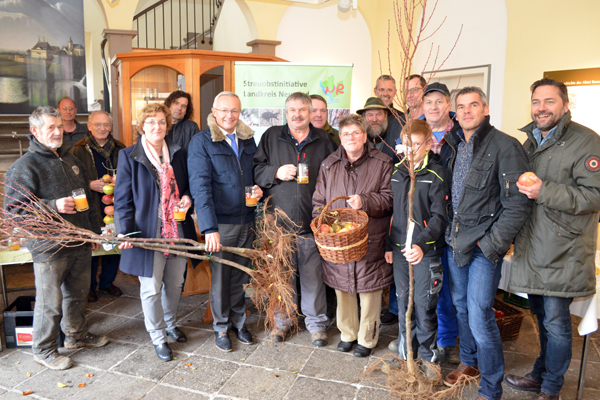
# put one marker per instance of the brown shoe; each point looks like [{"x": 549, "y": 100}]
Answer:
[
  {"x": 113, "y": 291},
  {"x": 451, "y": 379},
  {"x": 92, "y": 296},
  {"x": 544, "y": 396},
  {"x": 526, "y": 383}
]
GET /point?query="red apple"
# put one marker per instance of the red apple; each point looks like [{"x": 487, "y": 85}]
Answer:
[
  {"x": 109, "y": 210},
  {"x": 527, "y": 179},
  {"x": 325, "y": 228},
  {"x": 108, "y": 199}
]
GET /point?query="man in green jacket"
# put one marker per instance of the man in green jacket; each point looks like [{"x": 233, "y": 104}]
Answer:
[{"x": 554, "y": 252}]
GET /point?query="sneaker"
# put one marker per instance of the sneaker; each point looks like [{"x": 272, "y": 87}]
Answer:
[
  {"x": 89, "y": 340},
  {"x": 54, "y": 361},
  {"x": 429, "y": 371},
  {"x": 388, "y": 318}
]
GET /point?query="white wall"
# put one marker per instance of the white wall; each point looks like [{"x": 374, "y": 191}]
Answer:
[
  {"x": 94, "y": 25},
  {"x": 232, "y": 31},
  {"x": 482, "y": 41},
  {"x": 323, "y": 36}
]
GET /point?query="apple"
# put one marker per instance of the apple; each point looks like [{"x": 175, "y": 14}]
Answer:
[
  {"x": 108, "y": 199},
  {"x": 107, "y": 178},
  {"x": 527, "y": 179},
  {"x": 108, "y": 220},
  {"x": 108, "y": 189},
  {"x": 325, "y": 228},
  {"x": 109, "y": 210},
  {"x": 353, "y": 227},
  {"x": 114, "y": 179}
]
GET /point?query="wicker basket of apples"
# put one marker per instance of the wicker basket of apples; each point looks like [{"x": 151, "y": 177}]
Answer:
[{"x": 341, "y": 234}]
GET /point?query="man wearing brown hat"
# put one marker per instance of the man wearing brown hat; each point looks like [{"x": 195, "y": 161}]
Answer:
[{"x": 380, "y": 133}]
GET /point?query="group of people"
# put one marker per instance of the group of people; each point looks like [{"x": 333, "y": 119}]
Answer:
[{"x": 468, "y": 208}]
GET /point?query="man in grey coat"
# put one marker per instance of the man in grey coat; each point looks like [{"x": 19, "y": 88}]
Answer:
[
  {"x": 555, "y": 250},
  {"x": 62, "y": 272}
]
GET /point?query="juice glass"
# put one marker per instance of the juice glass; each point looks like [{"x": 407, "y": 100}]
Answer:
[
  {"x": 251, "y": 199},
  {"x": 81, "y": 203},
  {"x": 302, "y": 173},
  {"x": 179, "y": 213}
]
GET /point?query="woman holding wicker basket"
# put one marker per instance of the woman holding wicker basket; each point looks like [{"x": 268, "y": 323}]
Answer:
[{"x": 363, "y": 174}]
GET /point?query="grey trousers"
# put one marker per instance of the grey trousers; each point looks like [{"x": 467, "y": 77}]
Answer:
[
  {"x": 160, "y": 295},
  {"x": 227, "y": 297},
  {"x": 308, "y": 264},
  {"x": 61, "y": 289}
]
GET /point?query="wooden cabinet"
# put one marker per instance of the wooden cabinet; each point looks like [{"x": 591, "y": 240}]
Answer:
[{"x": 150, "y": 76}]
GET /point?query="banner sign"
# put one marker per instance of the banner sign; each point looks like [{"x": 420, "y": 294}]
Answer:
[{"x": 263, "y": 88}]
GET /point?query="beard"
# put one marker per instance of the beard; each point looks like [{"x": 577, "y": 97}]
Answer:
[
  {"x": 378, "y": 129},
  {"x": 551, "y": 123}
]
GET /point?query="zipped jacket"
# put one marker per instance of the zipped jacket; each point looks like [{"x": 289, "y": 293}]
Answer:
[
  {"x": 430, "y": 206},
  {"x": 555, "y": 251},
  {"x": 218, "y": 177},
  {"x": 50, "y": 177},
  {"x": 276, "y": 148},
  {"x": 491, "y": 210}
]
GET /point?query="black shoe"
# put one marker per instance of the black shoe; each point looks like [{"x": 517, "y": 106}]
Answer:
[
  {"x": 388, "y": 318},
  {"x": 113, "y": 291},
  {"x": 222, "y": 341},
  {"x": 92, "y": 296},
  {"x": 243, "y": 335},
  {"x": 177, "y": 335},
  {"x": 362, "y": 351},
  {"x": 345, "y": 347},
  {"x": 163, "y": 351}
]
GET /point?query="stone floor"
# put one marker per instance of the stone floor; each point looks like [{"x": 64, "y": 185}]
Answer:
[{"x": 127, "y": 368}]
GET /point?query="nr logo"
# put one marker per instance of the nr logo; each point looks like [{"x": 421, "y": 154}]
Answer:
[{"x": 332, "y": 89}]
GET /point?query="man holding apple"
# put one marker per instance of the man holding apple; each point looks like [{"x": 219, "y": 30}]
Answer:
[
  {"x": 98, "y": 151},
  {"x": 62, "y": 271},
  {"x": 555, "y": 251}
]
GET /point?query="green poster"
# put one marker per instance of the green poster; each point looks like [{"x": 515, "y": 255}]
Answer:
[{"x": 263, "y": 88}]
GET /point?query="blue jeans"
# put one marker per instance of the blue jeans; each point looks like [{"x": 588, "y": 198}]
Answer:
[
  {"x": 473, "y": 288},
  {"x": 556, "y": 339},
  {"x": 447, "y": 324},
  {"x": 393, "y": 307}
]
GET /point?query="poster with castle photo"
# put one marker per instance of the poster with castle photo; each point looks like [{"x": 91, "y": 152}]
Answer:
[{"x": 42, "y": 54}]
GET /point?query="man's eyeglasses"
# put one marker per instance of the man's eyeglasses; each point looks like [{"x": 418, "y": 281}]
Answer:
[
  {"x": 232, "y": 112},
  {"x": 99, "y": 125},
  {"x": 414, "y": 90},
  {"x": 152, "y": 123},
  {"x": 347, "y": 135},
  {"x": 67, "y": 108}
]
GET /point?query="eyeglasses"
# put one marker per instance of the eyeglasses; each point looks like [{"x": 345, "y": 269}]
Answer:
[
  {"x": 414, "y": 90},
  {"x": 67, "y": 108},
  {"x": 152, "y": 123},
  {"x": 98, "y": 125},
  {"x": 347, "y": 135},
  {"x": 232, "y": 112}
]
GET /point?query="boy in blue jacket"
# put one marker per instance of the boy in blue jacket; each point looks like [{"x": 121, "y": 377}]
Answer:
[{"x": 430, "y": 217}]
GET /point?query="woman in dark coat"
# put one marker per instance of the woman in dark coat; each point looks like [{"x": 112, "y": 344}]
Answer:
[
  {"x": 152, "y": 180},
  {"x": 364, "y": 174}
]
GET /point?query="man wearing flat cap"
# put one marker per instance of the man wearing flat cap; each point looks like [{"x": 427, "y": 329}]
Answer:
[{"x": 381, "y": 134}]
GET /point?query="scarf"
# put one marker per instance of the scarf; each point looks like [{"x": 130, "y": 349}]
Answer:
[
  {"x": 169, "y": 193},
  {"x": 105, "y": 151}
]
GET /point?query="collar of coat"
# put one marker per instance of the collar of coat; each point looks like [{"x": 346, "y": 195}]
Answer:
[
  {"x": 480, "y": 134},
  {"x": 560, "y": 128},
  {"x": 242, "y": 130}
]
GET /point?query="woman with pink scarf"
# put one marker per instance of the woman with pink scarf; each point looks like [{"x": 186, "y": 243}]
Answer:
[{"x": 152, "y": 180}]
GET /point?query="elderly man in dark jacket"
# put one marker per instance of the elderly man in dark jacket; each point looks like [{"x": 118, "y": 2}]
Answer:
[
  {"x": 280, "y": 150},
  {"x": 62, "y": 273},
  {"x": 555, "y": 250},
  {"x": 489, "y": 211},
  {"x": 220, "y": 165},
  {"x": 98, "y": 151}
]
